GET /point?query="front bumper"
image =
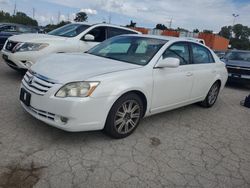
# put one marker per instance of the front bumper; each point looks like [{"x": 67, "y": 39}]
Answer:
[
  {"x": 19, "y": 60},
  {"x": 240, "y": 78},
  {"x": 82, "y": 114}
]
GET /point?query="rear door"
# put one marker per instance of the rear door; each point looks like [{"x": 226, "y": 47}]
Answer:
[{"x": 204, "y": 70}]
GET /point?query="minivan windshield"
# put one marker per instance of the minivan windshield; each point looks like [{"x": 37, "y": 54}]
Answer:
[
  {"x": 70, "y": 30},
  {"x": 130, "y": 49},
  {"x": 238, "y": 56}
]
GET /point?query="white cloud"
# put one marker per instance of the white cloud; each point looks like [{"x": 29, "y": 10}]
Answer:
[
  {"x": 89, "y": 11},
  {"x": 4, "y": 1},
  {"x": 205, "y": 14}
]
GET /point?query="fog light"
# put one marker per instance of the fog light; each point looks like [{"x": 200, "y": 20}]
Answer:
[
  {"x": 28, "y": 64},
  {"x": 64, "y": 119},
  {"x": 60, "y": 119}
]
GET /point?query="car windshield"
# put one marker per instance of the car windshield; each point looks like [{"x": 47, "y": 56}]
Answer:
[
  {"x": 238, "y": 56},
  {"x": 70, "y": 30},
  {"x": 130, "y": 49}
]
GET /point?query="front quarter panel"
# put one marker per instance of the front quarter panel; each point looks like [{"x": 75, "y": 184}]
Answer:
[{"x": 114, "y": 85}]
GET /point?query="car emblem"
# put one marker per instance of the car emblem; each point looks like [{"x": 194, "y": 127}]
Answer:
[{"x": 30, "y": 81}]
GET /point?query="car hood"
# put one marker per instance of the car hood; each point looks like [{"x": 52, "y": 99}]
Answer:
[
  {"x": 238, "y": 63},
  {"x": 36, "y": 38},
  {"x": 63, "y": 68}
]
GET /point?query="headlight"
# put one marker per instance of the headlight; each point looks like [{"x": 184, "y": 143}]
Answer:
[
  {"x": 77, "y": 89},
  {"x": 23, "y": 47}
]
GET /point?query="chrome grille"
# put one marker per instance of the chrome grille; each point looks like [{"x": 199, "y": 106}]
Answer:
[{"x": 36, "y": 83}]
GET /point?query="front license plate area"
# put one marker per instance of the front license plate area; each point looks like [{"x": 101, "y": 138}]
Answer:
[{"x": 25, "y": 97}]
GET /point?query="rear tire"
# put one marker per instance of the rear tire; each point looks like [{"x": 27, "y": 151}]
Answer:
[
  {"x": 124, "y": 116},
  {"x": 212, "y": 96}
]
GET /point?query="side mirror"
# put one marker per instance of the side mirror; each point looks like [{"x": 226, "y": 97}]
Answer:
[
  {"x": 89, "y": 37},
  {"x": 169, "y": 62}
]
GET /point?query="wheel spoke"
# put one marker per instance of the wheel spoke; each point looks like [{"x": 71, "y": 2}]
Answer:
[
  {"x": 132, "y": 123},
  {"x": 121, "y": 127},
  {"x": 124, "y": 107},
  {"x": 118, "y": 121},
  {"x": 137, "y": 115},
  {"x": 134, "y": 108},
  {"x": 120, "y": 114}
]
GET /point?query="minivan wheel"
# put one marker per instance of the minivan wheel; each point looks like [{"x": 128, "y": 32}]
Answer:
[
  {"x": 212, "y": 95},
  {"x": 124, "y": 116}
]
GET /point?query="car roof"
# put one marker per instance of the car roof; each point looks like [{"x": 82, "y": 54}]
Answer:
[
  {"x": 105, "y": 24},
  {"x": 168, "y": 38}
]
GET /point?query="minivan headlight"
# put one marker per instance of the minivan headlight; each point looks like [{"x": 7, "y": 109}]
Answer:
[
  {"x": 24, "y": 47},
  {"x": 77, "y": 89}
]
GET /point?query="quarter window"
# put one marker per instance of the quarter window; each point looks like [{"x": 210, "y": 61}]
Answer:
[
  {"x": 112, "y": 32},
  {"x": 180, "y": 51},
  {"x": 201, "y": 55}
]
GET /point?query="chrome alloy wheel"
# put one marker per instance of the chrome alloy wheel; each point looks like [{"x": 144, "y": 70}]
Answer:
[
  {"x": 127, "y": 117},
  {"x": 213, "y": 94}
]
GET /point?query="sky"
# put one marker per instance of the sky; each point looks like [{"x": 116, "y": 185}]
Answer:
[{"x": 189, "y": 14}]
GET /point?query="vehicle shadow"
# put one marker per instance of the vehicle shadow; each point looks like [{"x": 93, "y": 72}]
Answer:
[{"x": 238, "y": 86}]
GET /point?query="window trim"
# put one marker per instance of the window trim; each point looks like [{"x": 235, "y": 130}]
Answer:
[
  {"x": 121, "y": 29},
  {"x": 211, "y": 57},
  {"x": 189, "y": 51}
]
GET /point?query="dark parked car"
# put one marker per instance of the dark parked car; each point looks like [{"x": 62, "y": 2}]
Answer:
[
  {"x": 8, "y": 29},
  {"x": 238, "y": 65},
  {"x": 220, "y": 54}
]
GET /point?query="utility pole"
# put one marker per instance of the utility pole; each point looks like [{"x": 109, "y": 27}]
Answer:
[
  {"x": 235, "y": 16},
  {"x": 34, "y": 12},
  {"x": 14, "y": 13},
  {"x": 170, "y": 23},
  {"x": 59, "y": 16}
]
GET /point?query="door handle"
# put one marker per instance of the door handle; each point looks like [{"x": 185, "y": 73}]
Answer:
[{"x": 189, "y": 74}]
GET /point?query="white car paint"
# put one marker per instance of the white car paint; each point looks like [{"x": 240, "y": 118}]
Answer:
[
  {"x": 164, "y": 89},
  {"x": 57, "y": 44}
]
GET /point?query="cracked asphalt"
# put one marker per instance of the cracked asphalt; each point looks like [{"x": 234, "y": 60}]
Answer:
[{"x": 187, "y": 147}]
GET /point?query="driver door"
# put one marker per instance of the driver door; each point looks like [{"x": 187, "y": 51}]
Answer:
[
  {"x": 100, "y": 34},
  {"x": 172, "y": 86}
]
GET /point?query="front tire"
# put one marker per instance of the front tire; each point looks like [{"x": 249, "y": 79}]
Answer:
[
  {"x": 211, "y": 96},
  {"x": 124, "y": 116}
]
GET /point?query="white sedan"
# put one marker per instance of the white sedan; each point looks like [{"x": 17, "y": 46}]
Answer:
[
  {"x": 120, "y": 81},
  {"x": 22, "y": 51}
]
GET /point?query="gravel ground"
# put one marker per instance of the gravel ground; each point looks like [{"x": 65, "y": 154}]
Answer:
[{"x": 187, "y": 147}]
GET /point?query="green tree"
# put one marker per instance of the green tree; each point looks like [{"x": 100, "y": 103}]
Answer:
[
  {"x": 239, "y": 36},
  {"x": 132, "y": 24},
  {"x": 19, "y": 18},
  {"x": 196, "y": 31},
  {"x": 81, "y": 17},
  {"x": 226, "y": 32},
  {"x": 51, "y": 27},
  {"x": 161, "y": 27},
  {"x": 208, "y": 31}
]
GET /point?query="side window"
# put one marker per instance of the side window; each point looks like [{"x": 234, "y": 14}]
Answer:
[
  {"x": 180, "y": 51},
  {"x": 8, "y": 28},
  {"x": 112, "y": 32},
  {"x": 99, "y": 33},
  {"x": 201, "y": 55}
]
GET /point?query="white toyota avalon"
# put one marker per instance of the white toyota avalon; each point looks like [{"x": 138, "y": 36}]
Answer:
[{"x": 120, "y": 81}]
